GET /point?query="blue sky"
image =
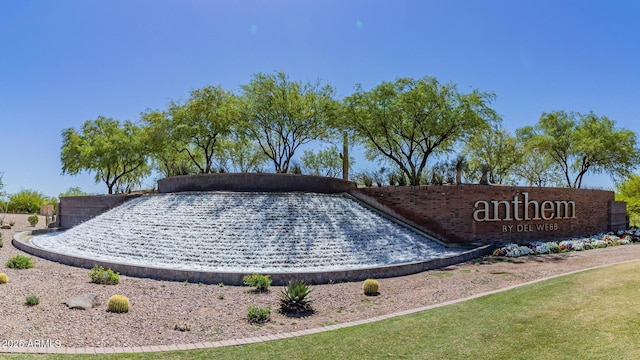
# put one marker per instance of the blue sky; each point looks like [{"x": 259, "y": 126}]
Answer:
[{"x": 64, "y": 62}]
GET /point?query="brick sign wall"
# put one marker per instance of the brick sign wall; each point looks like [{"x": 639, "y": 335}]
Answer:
[{"x": 488, "y": 213}]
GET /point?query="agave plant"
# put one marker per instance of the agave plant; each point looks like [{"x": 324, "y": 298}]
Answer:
[{"x": 293, "y": 298}]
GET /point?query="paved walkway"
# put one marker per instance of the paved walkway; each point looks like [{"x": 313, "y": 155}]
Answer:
[{"x": 265, "y": 338}]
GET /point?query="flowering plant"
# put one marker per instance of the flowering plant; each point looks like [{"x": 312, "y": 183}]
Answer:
[{"x": 594, "y": 242}]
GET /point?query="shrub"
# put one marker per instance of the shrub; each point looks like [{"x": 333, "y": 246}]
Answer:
[
  {"x": 33, "y": 219},
  {"x": 260, "y": 282},
  {"x": 118, "y": 304},
  {"x": 4, "y": 278},
  {"x": 365, "y": 178},
  {"x": 20, "y": 262},
  {"x": 32, "y": 300},
  {"x": 99, "y": 275},
  {"x": 257, "y": 315},
  {"x": 182, "y": 325},
  {"x": 27, "y": 201},
  {"x": 370, "y": 287},
  {"x": 293, "y": 298}
]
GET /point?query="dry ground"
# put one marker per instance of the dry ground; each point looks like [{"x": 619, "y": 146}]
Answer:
[{"x": 218, "y": 312}]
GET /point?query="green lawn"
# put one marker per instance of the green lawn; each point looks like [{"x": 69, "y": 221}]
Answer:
[{"x": 589, "y": 315}]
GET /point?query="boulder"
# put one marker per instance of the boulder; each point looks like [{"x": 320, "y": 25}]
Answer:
[{"x": 83, "y": 302}]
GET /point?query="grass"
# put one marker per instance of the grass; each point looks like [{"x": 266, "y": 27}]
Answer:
[{"x": 589, "y": 315}]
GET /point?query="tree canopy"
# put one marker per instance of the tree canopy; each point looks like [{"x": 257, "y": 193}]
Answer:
[
  {"x": 73, "y": 191},
  {"x": 191, "y": 130},
  {"x": 115, "y": 152},
  {"x": 29, "y": 201},
  {"x": 581, "y": 143},
  {"x": 406, "y": 121},
  {"x": 281, "y": 115},
  {"x": 325, "y": 162},
  {"x": 496, "y": 149},
  {"x": 629, "y": 192},
  {"x": 409, "y": 125}
]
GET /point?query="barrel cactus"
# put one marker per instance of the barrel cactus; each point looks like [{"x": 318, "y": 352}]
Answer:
[
  {"x": 4, "y": 278},
  {"x": 118, "y": 304},
  {"x": 370, "y": 287}
]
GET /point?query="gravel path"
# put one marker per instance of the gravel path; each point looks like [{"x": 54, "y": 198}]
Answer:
[{"x": 217, "y": 312}]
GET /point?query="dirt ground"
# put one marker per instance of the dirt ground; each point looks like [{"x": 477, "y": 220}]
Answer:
[{"x": 218, "y": 312}]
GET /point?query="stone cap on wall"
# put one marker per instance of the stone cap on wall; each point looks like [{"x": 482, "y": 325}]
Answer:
[{"x": 264, "y": 182}]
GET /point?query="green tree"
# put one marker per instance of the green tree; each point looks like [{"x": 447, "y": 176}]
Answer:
[
  {"x": 326, "y": 162},
  {"x": 28, "y": 201},
  {"x": 281, "y": 115},
  {"x": 629, "y": 192},
  {"x": 582, "y": 143},
  {"x": 73, "y": 191},
  {"x": 407, "y": 121},
  {"x": 497, "y": 149},
  {"x": 165, "y": 157},
  {"x": 535, "y": 168},
  {"x": 239, "y": 154},
  {"x": 538, "y": 170},
  {"x": 186, "y": 136},
  {"x": 114, "y": 151}
]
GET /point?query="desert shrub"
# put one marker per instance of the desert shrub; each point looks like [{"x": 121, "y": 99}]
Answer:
[
  {"x": 182, "y": 325},
  {"x": 295, "y": 168},
  {"x": 33, "y": 219},
  {"x": 370, "y": 287},
  {"x": 118, "y": 304},
  {"x": 32, "y": 300},
  {"x": 256, "y": 315},
  {"x": 260, "y": 282},
  {"x": 4, "y": 279},
  {"x": 28, "y": 201},
  {"x": 99, "y": 275},
  {"x": 20, "y": 262},
  {"x": 365, "y": 178},
  {"x": 293, "y": 298}
]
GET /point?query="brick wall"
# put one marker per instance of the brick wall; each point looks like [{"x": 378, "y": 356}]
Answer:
[
  {"x": 254, "y": 182},
  {"x": 448, "y": 210},
  {"x": 73, "y": 210}
]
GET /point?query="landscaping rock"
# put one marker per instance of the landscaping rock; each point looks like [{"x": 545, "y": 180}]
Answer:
[{"x": 83, "y": 302}]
